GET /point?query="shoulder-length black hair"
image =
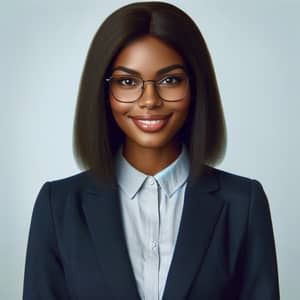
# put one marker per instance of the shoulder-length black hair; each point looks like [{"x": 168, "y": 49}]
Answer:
[{"x": 97, "y": 136}]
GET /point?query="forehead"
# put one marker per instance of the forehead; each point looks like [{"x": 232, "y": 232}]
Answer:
[{"x": 147, "y": 55}]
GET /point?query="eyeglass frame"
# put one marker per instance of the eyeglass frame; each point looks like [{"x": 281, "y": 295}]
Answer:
[{"x": 143, "y": 88}]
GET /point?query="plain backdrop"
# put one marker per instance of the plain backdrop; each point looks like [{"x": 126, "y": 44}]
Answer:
[{"x": 255, "y": 49}]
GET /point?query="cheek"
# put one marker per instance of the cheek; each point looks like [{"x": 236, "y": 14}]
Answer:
[
  {"x": 116, "y": 107},
  {"x": 182, "y": 109},
  {"x": 119, "y": 111},
  {"x": 183, "y": 106}
]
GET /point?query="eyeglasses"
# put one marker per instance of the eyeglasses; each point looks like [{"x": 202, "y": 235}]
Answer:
[{"x": 129, "y": 88}]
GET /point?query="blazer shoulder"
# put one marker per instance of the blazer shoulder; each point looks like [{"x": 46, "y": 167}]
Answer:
[
  {"x": 234, "y": 185},
  {"x": 67, "y": 192},
  {"x": 78, "y": 180},
  {"x": 232, "y": 178},
  {"x": 75, "y": 184}
]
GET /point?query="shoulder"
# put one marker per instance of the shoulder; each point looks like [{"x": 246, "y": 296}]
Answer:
[
  {"x": 235, "y": 186},
  {"x": 72, "y": 183},
  {"x": 63, "y": 196},
  {"x": 229, "y": 179},
  {"x": 243, "y": 197},
  {"x": 66, "y": 189}
]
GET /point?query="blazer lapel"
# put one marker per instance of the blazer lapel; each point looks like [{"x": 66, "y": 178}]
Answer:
[
  {"x": 200, "y": 214},
  {"x": 102, "y": 211}
]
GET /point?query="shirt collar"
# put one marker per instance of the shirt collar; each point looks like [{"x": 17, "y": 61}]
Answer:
[{"x": 170, "y": 178}]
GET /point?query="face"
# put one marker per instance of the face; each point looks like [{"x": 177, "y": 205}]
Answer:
[{"x": 147, "y": 56}]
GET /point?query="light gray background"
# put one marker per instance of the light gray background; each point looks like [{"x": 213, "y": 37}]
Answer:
[{"x": 255, "y": 48}]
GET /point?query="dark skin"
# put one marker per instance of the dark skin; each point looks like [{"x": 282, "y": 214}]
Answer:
[{"x": 150, "y": 152}]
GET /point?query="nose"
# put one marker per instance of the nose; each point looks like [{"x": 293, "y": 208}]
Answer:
[{"x": 149, "y": 96}]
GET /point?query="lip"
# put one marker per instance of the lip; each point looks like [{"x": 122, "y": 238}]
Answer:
[
  {"x": 150, "y": 117},
  {"x": 139, "y": 122}
]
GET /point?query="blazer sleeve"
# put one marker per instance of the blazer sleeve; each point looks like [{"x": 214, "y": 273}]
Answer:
[
  {"x": 260, "y": 274},
  {"x": 44, "y": 274}
]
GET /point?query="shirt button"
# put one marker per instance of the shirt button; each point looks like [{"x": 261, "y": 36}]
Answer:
[
  {"x": 151, "y": 181},
  {"x": 154, "y": 245}
]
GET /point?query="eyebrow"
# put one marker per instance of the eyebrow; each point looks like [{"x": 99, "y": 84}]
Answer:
[{"x": 159, "y": 72}]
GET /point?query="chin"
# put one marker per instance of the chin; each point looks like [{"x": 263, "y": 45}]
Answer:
[
  {"x": 149, "y": 144},
  {"x": 152, "y": 142}
]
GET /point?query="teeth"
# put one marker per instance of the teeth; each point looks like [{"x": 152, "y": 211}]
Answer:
[{"x": 149, "y": 122}]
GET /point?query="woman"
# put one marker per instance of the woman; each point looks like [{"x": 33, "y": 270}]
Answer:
[{"x": 151, "y": 217}]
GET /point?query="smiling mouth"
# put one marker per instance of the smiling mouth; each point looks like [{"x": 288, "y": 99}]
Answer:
[{"x": 151, "y": 125}]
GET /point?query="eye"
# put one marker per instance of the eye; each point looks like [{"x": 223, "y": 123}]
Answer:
[
  {"x": 171, "y": 80},
  {"x": 126, "y": 82}
]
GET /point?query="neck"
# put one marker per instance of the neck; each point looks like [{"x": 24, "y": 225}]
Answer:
[{"x": 151, "y": 160}]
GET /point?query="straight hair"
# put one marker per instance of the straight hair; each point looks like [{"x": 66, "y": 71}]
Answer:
[{"x": 97, "y": 137}]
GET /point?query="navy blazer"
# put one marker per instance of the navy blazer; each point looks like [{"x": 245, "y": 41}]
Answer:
[{"x": 225, "y": 247}]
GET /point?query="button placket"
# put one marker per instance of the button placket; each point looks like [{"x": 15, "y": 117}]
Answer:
[{"x": 152, "y": 260}]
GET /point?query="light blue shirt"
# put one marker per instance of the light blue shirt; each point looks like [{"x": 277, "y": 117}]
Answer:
[{"x": 151, "y": 210}]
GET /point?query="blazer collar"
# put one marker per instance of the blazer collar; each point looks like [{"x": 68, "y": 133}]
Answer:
[{"x": 201, "y": 211}]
